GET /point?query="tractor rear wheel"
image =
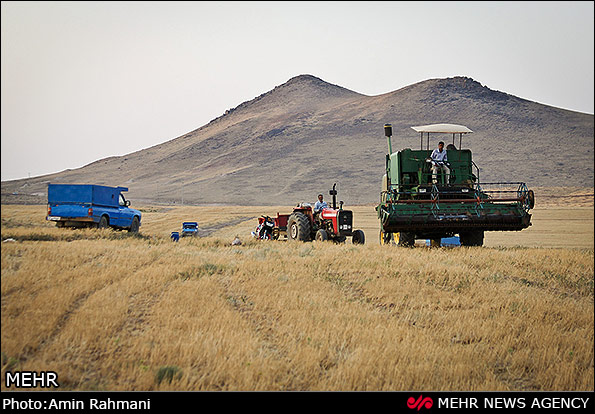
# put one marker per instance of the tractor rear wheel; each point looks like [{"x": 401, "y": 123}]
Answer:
[
  {"x": 298, "y": 227},
  {"x": 471, "y": 238}
]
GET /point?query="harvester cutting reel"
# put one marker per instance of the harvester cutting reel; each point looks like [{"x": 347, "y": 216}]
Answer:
[{"x": 526, "y": 196}]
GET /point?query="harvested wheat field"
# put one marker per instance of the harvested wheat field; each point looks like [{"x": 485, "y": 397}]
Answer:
[{"x": 107, "y": 310}]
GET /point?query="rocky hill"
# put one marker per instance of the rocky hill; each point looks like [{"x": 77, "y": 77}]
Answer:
[{"x": 295, "y": 141}]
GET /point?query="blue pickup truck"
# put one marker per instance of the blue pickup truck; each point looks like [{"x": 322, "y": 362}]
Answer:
[
  {"x": 89, "y": 205},
  {"x": 189, "y": 228}
]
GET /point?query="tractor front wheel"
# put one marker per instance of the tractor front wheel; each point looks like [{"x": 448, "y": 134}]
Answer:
[
  {"x": 321, "y": 235},
  {"x": 358, "y": 237},
  {"x": 298, "y": 227}
]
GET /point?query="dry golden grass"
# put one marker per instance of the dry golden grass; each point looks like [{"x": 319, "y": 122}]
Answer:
[{"x": 111, "y": 311}]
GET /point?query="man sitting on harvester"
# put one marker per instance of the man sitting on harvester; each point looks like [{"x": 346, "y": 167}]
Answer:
[{"x": 439, "y": 161}]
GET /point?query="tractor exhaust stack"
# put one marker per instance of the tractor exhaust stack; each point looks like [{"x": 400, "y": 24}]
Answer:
[{"x": 333, "y": 192}]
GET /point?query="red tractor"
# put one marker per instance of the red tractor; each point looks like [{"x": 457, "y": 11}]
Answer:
[{"x": 329, "y": 224}]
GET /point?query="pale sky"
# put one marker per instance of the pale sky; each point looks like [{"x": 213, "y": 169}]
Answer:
[{"x": 83, "y": 81}]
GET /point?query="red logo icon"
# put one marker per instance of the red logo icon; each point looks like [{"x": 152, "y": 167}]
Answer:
[{"x": 420, "y": 403}]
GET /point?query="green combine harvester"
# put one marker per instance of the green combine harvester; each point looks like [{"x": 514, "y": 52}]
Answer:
[{"x": 419, "y": 202}]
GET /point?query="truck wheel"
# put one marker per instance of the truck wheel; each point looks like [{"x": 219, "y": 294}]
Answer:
[
  {"x": 103, "y": 222},
  {"x": 358, "y": 237},
  {"x": 134, "y": 225},
  {"x": 471, "y": 238},
  {"x": 321, "y": 235},
  {"x": 298, "y": 227},
  {"x": 406, "y": 239}
]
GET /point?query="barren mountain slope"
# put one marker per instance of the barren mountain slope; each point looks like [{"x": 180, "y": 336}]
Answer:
[{"x": 296, "y": 140}]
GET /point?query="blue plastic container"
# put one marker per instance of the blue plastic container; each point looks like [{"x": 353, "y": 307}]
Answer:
[{"x": 448, "y": 241}]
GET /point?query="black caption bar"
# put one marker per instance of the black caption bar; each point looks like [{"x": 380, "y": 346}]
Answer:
[{"x": 405, "y": 401}]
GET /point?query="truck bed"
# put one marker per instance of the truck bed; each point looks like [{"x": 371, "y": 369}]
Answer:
[{"x": 84, "y": 194}]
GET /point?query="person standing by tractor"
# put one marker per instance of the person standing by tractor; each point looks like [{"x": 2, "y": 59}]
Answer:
[{"x": 439, "y": 162}]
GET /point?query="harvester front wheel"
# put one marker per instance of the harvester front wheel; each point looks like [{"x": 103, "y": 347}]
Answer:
[
  {"x": 406, "y": 239},
  {"x": 386, "y": 238},
  {"x": 298, "y": 227}
]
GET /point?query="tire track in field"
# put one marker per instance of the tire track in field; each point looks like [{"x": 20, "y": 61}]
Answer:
[
  {"x": 140, "y": 308},
  {"x": 78, "y": 302},
  {"x": 31, "y": 351},
  {"x": 34, "y": 290},
  {"x": 262, "y": 323},
  {"x": 356, "y": 293},
  {"x": 208, "y": 230}
]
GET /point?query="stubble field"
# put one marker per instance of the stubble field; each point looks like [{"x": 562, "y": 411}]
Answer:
[{"x": 107, "y": 310}]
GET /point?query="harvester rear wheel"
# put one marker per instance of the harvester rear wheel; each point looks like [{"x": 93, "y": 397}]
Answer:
[
  {"x": 471, "y": 238},
  {"x": 298, "y": 227}
]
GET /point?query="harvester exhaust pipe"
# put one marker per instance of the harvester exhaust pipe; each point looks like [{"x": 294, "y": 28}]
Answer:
[
  {"x": 333, "y": 192},
  {"x": 388, "y": 131}
]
